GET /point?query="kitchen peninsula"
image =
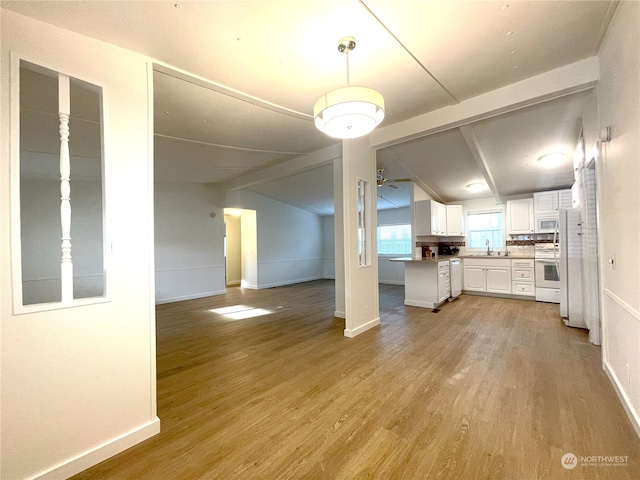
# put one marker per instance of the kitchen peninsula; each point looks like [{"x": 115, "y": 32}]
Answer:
[{"x": 429, "y": 282}]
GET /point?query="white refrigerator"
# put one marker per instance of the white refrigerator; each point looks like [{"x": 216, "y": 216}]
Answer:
[{"x": 569, "y": 259}]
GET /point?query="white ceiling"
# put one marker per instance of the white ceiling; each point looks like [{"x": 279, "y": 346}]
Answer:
[{"x": 235, "y": 83}]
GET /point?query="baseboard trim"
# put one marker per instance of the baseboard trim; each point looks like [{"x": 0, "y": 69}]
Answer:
[
  {"x": 290, "y": 282},
  {"x": 419, "y": 303},
  {"x": 107, "y": 450},
  {"x": 391, "y": 282},
  {"x": 634, "y": 418},
  {"x": 362, "y": 329},
  {"x": 182, "y": 298},
  {"x": 339, "y": 314}
]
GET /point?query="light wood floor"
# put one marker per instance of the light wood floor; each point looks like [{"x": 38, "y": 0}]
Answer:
[{"x": 484, "y": 389}]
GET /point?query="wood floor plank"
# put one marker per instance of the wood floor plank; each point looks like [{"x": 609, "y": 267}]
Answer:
[{"x": 486, "y": 388}]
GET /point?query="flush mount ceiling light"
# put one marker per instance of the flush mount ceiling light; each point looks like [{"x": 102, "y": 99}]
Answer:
[
  {"x": 475, "y": 187},
  {"x": 551, "y": 159},
  {"x": 349, "y": 112}
]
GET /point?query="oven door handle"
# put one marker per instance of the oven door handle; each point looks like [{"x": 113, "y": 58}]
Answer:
[{"x": 545, "y": 260}]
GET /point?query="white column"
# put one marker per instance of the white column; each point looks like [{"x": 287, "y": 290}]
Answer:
[
  {"x": 361, "y": 281},
  {"x": 338, "y": 232},
  {"x": 66, "y": 265}
]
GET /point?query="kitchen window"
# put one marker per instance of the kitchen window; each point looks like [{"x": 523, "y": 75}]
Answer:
[
  {"x": 394, "y": 239},
  {"x": 485, "y": 225}
]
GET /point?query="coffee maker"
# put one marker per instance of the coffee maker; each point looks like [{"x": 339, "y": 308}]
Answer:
[{"x": 444, "y": 249}]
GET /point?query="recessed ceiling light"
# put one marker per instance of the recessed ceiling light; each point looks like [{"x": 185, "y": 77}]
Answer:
[
  {"x": 509, "y": 33},
  {"x": 166, "y": 112},
  {"x": 504, "y": 7},
  {"x": 204, "y": 121},
  {"x": 515, "y": 67},
  {"x": 177, "y": 6},
  {"x": 551, "y": 159},
  {"x": 476, "y": 187},
  {"x": 512, "y": 52}
]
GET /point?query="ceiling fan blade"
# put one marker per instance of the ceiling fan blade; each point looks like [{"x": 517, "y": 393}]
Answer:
[
  {"x": 401, "y": 180},
  {"x": 393, "y": 187}
]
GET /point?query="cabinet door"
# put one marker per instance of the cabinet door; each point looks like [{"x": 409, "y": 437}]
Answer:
[
  {"x": 545, "y": 202},
  {"x": 474, "y": 279},
  {"x": 565, "y": 199},
  {"x": 422, "y": 218},
  {"x": 438, "y": 218},
  {"x": 498, "y": 279},
  {"x": 455, "y": 222},
  {"x": 444, "y": 286},
  {"x": 520, "y": 216}
]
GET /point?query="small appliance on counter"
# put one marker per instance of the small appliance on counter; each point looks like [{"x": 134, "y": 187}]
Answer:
[{"x": 444, "y": 250}]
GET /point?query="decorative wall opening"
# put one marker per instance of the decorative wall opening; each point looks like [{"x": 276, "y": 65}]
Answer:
[{"x": 61, "y": 183}]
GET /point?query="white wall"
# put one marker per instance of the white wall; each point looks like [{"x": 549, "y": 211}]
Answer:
[
  {"x": 618, "y": 184},
  {"x": 388, "y": 272},
  {"x": 392, "y": 272},
  {"x": 289, "y": 240},
  {"x": 249, "y": 249},
  {"x": 79, "y": 384},
  {"x": 234, "y": 250},
  {"x": 189, "y": 258},
  {"x": 328, "y": 247}
]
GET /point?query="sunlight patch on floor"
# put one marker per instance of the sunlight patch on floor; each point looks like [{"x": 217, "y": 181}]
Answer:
[{"x": 240, "y": 312}]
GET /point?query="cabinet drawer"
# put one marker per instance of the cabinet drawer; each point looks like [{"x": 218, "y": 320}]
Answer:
[
  {"x": 487, "y": 262},
  {"x": 522, "y": 274},
  {"x": 523, "y": 288},
  {"x": 522, "y": 263}
]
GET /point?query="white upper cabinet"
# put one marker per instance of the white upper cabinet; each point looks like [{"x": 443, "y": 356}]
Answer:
[
  {"x": 455, "y": 221},
  {"x": 520, "y": 216},
  {"x": 545, "y": 203},
  {"x": 430, "y": 218},
  {"x": 565, "y": 199}
]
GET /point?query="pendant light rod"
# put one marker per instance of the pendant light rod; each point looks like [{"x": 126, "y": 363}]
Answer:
[
  {"x": 346, "y": 45},
  {"x": 348, "y": 112}
]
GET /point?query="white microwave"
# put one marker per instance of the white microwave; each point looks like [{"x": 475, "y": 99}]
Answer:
[{"x": 546, "y": 224}]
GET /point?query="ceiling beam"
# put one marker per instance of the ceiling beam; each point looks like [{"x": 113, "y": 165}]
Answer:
[
  {"x": 185, "y": 76},
  {"x": 285, "y": 169},
  {"x": 417, "y": 180},
  {"x": 472, "y": 142},
  {"x": 576, "y": 77}
]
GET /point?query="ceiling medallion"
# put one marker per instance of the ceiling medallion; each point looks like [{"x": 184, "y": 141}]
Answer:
[{"x": 348, "y": 112}]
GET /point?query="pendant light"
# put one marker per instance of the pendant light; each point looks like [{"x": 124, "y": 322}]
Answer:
[{"x": 348, "y": 112}]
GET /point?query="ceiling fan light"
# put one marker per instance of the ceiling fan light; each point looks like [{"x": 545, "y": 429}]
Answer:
[
  {"x": 349, "y": 112},
  {"x": 475, "y": 187},
  {"x": 551, "y": 160}
]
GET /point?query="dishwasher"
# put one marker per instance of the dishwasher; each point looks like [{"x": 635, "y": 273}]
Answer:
[{"x": 455, "y": 276}]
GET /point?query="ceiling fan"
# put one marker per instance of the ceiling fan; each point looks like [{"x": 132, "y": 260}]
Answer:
[{"x": 381, "y": 179}]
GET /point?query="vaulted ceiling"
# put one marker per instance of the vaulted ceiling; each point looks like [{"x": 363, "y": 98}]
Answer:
[{"x": 235, "y": 83}]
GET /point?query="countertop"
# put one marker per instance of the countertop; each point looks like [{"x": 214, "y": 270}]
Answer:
[
  {"x": 436, "y": 259},
  {"x": 494, "y": 255},
  {"x": 440, "y": 258}
]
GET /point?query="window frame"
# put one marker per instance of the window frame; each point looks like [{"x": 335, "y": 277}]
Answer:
[
  {"x": 468, "y": 230},
  {"x": 392, "y": 255}
]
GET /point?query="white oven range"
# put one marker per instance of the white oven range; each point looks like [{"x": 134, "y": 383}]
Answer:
[{"x": 546, "y": 272}]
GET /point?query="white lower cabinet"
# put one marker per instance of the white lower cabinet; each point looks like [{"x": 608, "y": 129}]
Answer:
[
  {"x": 522, "y": 277},
  {"x": 426, "y": 283},
  {"x": 474, "y": 278},
  {"x": 492, "y": 275},
  {"x": 498, "y": 279}
]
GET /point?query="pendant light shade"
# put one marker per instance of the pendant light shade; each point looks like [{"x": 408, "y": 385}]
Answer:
[{"x": 348, "y": 112}]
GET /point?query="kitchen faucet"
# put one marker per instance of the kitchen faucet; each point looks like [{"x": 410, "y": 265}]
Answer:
[{"x": 488, "y": 249}]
